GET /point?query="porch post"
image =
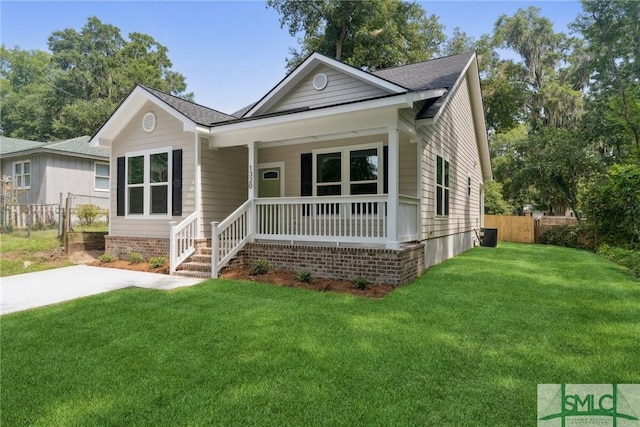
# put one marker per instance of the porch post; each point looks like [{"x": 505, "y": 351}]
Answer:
[
  {"x": 392, "y": 202},
  {"x": 252, "y": 190}
]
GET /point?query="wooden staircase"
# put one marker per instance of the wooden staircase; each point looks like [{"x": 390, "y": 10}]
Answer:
[{"x": 198, "y": 265}]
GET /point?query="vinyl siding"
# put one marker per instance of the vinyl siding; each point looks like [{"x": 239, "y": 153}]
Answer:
[
  {"x": 224, "y": 182},
  {"x": 75, "y": 175},
  {"x": 340, "y": 88},
  {"x": 37, "y": 192},
  {"x": 453, "y": 137},
  {"x": 167, "y": 134}
]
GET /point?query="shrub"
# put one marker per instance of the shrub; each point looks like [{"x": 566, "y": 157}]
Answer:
[
  {"x": 87, "y": 214},
  {"x": 304, "y": 276},
  {"x": 361, "y": 283},
  {"x": 105, "y": 257},
  {"x": 565, "y": 235},
  {"x": 135, "y": 258},
  {"x": 157, "y": 261},
  {"x": 260, "y": 267},
  {"x": 624, "y": 257}
]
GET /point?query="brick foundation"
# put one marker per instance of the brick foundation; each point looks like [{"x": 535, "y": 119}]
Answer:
[
  {"x": 395, "y": 267},
  {"x": 148, "y": 247}
]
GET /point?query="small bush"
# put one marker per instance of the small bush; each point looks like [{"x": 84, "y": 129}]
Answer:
[
  {"x": 135, "y": 258},
  {"x": 260, "y": 267},
  {"x": 621, "y": 256},
  {"x": 87, "y": 214},
  {"x": 157, "y": 261},
  {"x": 107, "y": 258},
  {"x": 566, "y": 235},
  {"x": 361, "y": 283},
  {"x": 304, "y": 276}
]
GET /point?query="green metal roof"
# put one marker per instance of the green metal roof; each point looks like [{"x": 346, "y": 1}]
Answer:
[{"x": 77, "y": 147}]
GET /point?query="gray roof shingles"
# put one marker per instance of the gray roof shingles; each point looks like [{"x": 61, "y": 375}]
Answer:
[{"x": 74, "y": 147}]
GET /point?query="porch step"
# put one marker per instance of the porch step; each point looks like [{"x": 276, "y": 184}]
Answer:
[
  {"x": 195, "y": 266},
  {"x": 194, "y": 274},
  {"x": 198, "y": 265}
]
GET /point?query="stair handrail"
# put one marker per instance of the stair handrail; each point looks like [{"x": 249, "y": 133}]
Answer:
[
  {"x": 182, "y": 240},
  {"x": 229, "y": 236}
]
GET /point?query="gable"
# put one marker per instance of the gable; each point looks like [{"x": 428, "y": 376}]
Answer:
[{"x": 340, "y": 88}]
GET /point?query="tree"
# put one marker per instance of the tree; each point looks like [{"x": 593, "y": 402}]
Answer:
[
  {"x": 371, "y": 34},
  {"x": 494, "y": 203},
  {"x": 73, "y": 90}
]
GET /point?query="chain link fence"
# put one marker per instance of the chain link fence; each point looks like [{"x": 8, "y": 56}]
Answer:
[{"x": 87, "y": 213}]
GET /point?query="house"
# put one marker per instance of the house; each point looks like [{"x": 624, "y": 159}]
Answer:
[
  {"x": 38, "y": 172},
  {"x": 335, "y": 170}
]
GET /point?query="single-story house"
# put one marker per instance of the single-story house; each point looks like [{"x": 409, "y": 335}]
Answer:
[
  {"x": 38, "y": 172},
  {"x": 336, "y": 170}
]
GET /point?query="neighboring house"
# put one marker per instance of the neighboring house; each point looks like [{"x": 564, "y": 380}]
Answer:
[
  {"x": 335, "y": 170},
  {"x": 37, "y": 172}
]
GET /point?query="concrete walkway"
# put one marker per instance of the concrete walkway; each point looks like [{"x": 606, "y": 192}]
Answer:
[{"x": 30, "y": 290}]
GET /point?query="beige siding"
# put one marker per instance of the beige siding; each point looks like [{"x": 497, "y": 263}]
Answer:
[
  {"x": 224, "y": 182},
  {"x": 340, "y": 88},
  {"x": 453, "y": 135},
  {"x": 168, "y": 133},
  {"x": 408, "y": 157}
]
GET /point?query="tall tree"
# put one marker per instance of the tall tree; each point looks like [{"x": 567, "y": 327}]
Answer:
[
  {"x": 372, "y": 34},
  {"x": 73, "y": 90}
]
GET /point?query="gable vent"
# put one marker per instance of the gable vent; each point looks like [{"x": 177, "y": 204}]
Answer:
[
  {"x": 149, "y": 122},
  {"x": 320, "y": 81}
]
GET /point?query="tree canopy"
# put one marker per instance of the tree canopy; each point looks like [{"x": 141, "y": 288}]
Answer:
[{"x": 73, "y": 90}]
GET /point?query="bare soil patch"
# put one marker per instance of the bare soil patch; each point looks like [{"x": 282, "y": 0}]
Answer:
[{"x": 288, "y": 279}]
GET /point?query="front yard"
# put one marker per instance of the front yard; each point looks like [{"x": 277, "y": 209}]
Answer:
[{"x": 465, "y": 344}]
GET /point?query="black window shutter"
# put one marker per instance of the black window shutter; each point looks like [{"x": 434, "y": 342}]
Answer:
[
  {"x": 306, "y": 175},
  {"x": 120, "y": 186},
  {"x": 176, "y": 184},
  {"x": 385, "y": 169}
]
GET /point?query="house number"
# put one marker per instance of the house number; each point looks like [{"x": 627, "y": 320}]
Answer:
[{"x": 250, "y": 177}]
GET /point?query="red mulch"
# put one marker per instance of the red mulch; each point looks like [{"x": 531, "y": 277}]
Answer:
[
  {"x": 288, "y": 279},
  {"x": 126, "y": 265}
]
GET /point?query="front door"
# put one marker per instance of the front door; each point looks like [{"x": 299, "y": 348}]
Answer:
[{"x": 269, "y": 181}]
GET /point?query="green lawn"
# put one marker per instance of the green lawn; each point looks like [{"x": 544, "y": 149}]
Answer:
[
  {"x": 20, "y": 253},
  {"x": 466, "y": 344}
]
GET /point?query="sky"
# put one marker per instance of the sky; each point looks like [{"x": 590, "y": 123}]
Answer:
[{"x": 231, "y": 52}]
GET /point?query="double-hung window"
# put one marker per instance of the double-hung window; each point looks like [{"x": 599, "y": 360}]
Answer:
[
  {"x": 442, "y": 187},
  {"x": 22, "y": 175},
  {"x": 353, "y": 170},
  {"x": 148, "y": 183},
  {"x": 101, "y": 176}
]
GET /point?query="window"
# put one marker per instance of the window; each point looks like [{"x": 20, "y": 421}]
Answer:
[
  {"x": 469, "y": 186},
  {"x": 22, "y": 174},
  {"x": 148, "y": 183},
  {"x": 348, "y": 170},
  {"x": 101, "y": 176},
  {"x": 442, "y": 187}
]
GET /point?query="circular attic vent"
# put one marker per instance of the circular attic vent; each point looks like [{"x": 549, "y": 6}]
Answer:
[
  {"x": 320, "y": 81},
  {"x": 149, "y": 122}
]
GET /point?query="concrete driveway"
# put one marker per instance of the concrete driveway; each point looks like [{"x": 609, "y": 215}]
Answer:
[{"x": 30, "y": 290}]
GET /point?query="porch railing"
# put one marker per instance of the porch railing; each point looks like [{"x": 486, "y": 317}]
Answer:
[
  {"x": 349, "y": 219},
  {"x": 408, "y": 215},
  {"x": 229, "y": 236},
  {"x": 182, "y": 240}
]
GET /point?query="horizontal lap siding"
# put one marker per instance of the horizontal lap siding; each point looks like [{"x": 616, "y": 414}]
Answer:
[
  {"x": 224, "y": 182},
  {"x": 340, "y": 88},
  {"x": 71, "y": 174},
  {"x": 408, "y": 173},
  {"x": 168, "y": 133},
  {"x": 454, "y": 135}
]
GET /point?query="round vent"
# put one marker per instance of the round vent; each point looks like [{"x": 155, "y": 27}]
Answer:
[
  {"x": 149, "y": 122},
  {"x": 320, "y": 81}
]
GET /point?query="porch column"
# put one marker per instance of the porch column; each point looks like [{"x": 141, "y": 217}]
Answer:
[
  {"x": 252, "y": 188},
  {"x": 392, "y": 203}
]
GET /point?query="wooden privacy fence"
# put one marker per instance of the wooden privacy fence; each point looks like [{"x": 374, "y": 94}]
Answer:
[
  {"x": 22, "y": 216},
  {"x": 512, "y": 228},
  {"x": 524, "y": 229}
]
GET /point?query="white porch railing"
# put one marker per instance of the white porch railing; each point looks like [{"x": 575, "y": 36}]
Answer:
[
  {"x": 408, "y": 215},
  {"x": 348, "y": 219},
  {"x": 182, "y": 240},
  {"x": 229, "y": 236}
]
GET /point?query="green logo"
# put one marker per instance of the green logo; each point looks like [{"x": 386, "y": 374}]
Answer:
[{"x": 566, "y": 405}]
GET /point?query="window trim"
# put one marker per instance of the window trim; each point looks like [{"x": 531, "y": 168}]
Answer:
[
  {"x": 22, "y": 174},
  {"x": 345, "y": 172},
  {"x": 96, "y": 176},
  {"x": 147, "y": 185},
  {"x": 446, "y": 189}
]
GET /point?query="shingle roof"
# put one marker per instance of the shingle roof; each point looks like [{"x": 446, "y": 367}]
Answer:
[
  {"x": 436, "y": 73},
  {"x": 198, "y": 114},
  {"x": 14, "y": 145},
  {"x": 75, "y": 146}
]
